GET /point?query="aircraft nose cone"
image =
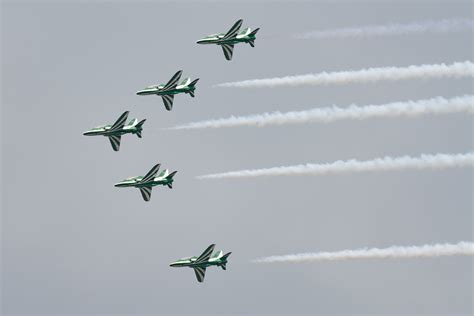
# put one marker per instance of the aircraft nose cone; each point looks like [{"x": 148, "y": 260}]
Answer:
[
  {"x": 173, "y": 265},
  {"x": 87, "y": 133}
]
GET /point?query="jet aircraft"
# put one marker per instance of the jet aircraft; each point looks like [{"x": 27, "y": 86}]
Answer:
[
  {"x": 206, "y": 259},
  {"x": 114, "y": 132},
  {"x": 232, "y": 37},
  {"x": 167, "y": 91},
  {"x": 146, "y": 183}
]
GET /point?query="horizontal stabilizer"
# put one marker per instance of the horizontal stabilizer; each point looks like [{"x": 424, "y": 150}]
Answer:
[
  {"x": 191, "y": 93},
  {"x": 252, "y": 43}
]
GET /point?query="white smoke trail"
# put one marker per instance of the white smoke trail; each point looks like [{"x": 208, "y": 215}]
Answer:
[
  {"x": 462, "y": 248},
  {"x": 455, "y": 70},
  {"x": 436, "y": 105},
  {"x": 437, "y": 161},
  {"x": 441, "y": 26}
]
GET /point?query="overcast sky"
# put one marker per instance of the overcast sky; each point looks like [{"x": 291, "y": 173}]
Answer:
[{"x": 73, "y": 244}]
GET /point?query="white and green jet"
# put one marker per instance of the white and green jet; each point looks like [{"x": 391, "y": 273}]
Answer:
[
  {"x": 232, "y": 37},
  {"x": 206, "y": 259},
  {"x": 167, "y": 91},
  {"x": 146, "y": 183},
  {"x": 114, "y": 132}
]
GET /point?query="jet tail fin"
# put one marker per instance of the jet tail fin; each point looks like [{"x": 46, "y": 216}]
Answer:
[
  {"x": 192, "y": 86},
  {"x": 254, "y": 32},
  {"x": 171, "y": 175},
  {"x": 193, "y": 83},
  {"x": 224, "y": 258},
  {"x": 139, "y": 128}
]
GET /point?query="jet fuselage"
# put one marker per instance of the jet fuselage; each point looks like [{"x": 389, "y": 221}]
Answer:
[
  {"x": 189, "y": 262},
  {"x": 105, "y": 130},
  {"x": 135, "y": 182},
  {"x": 158, "y": 90},
  {"x": 218, "y": 39}
]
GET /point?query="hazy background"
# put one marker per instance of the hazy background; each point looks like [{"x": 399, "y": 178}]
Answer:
[{"x": 73, "y": 244}]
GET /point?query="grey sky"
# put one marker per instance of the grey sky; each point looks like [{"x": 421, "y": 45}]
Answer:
[{"x": 73, "y": 244}]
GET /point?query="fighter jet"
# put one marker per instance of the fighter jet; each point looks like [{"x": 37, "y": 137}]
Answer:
[
  {"x": 206, "y": 259},
  {"x": 167, "y": 91},
  {"x": 114, "y": 132},
  {"x": 146, "y": 183},
  {"x": 227, "y": 41}
]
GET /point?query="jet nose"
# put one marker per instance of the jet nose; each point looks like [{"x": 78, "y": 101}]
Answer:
[
  {"x": 88, "y": 133},
  {"x": 174, "y": 265},
  {"x": 119, "y": 184},
  {"x": 200, "y": 42}
]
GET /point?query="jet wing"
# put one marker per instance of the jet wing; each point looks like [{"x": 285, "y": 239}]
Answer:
[
  {"x": 173, "y": 81},
  {"x": 168, "y": 101},
  {"x": 204, "y": 257},
  {"x": 151, "y": 174},
  {"x": 146, "y": 193},
  {"x": 120, "y": 122},
  {"x": 200, "y": 273},
  {"x": 233, "y": 30},
  {"x": 115, "y": 142},
  {"x": 228, "y": 50}
]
